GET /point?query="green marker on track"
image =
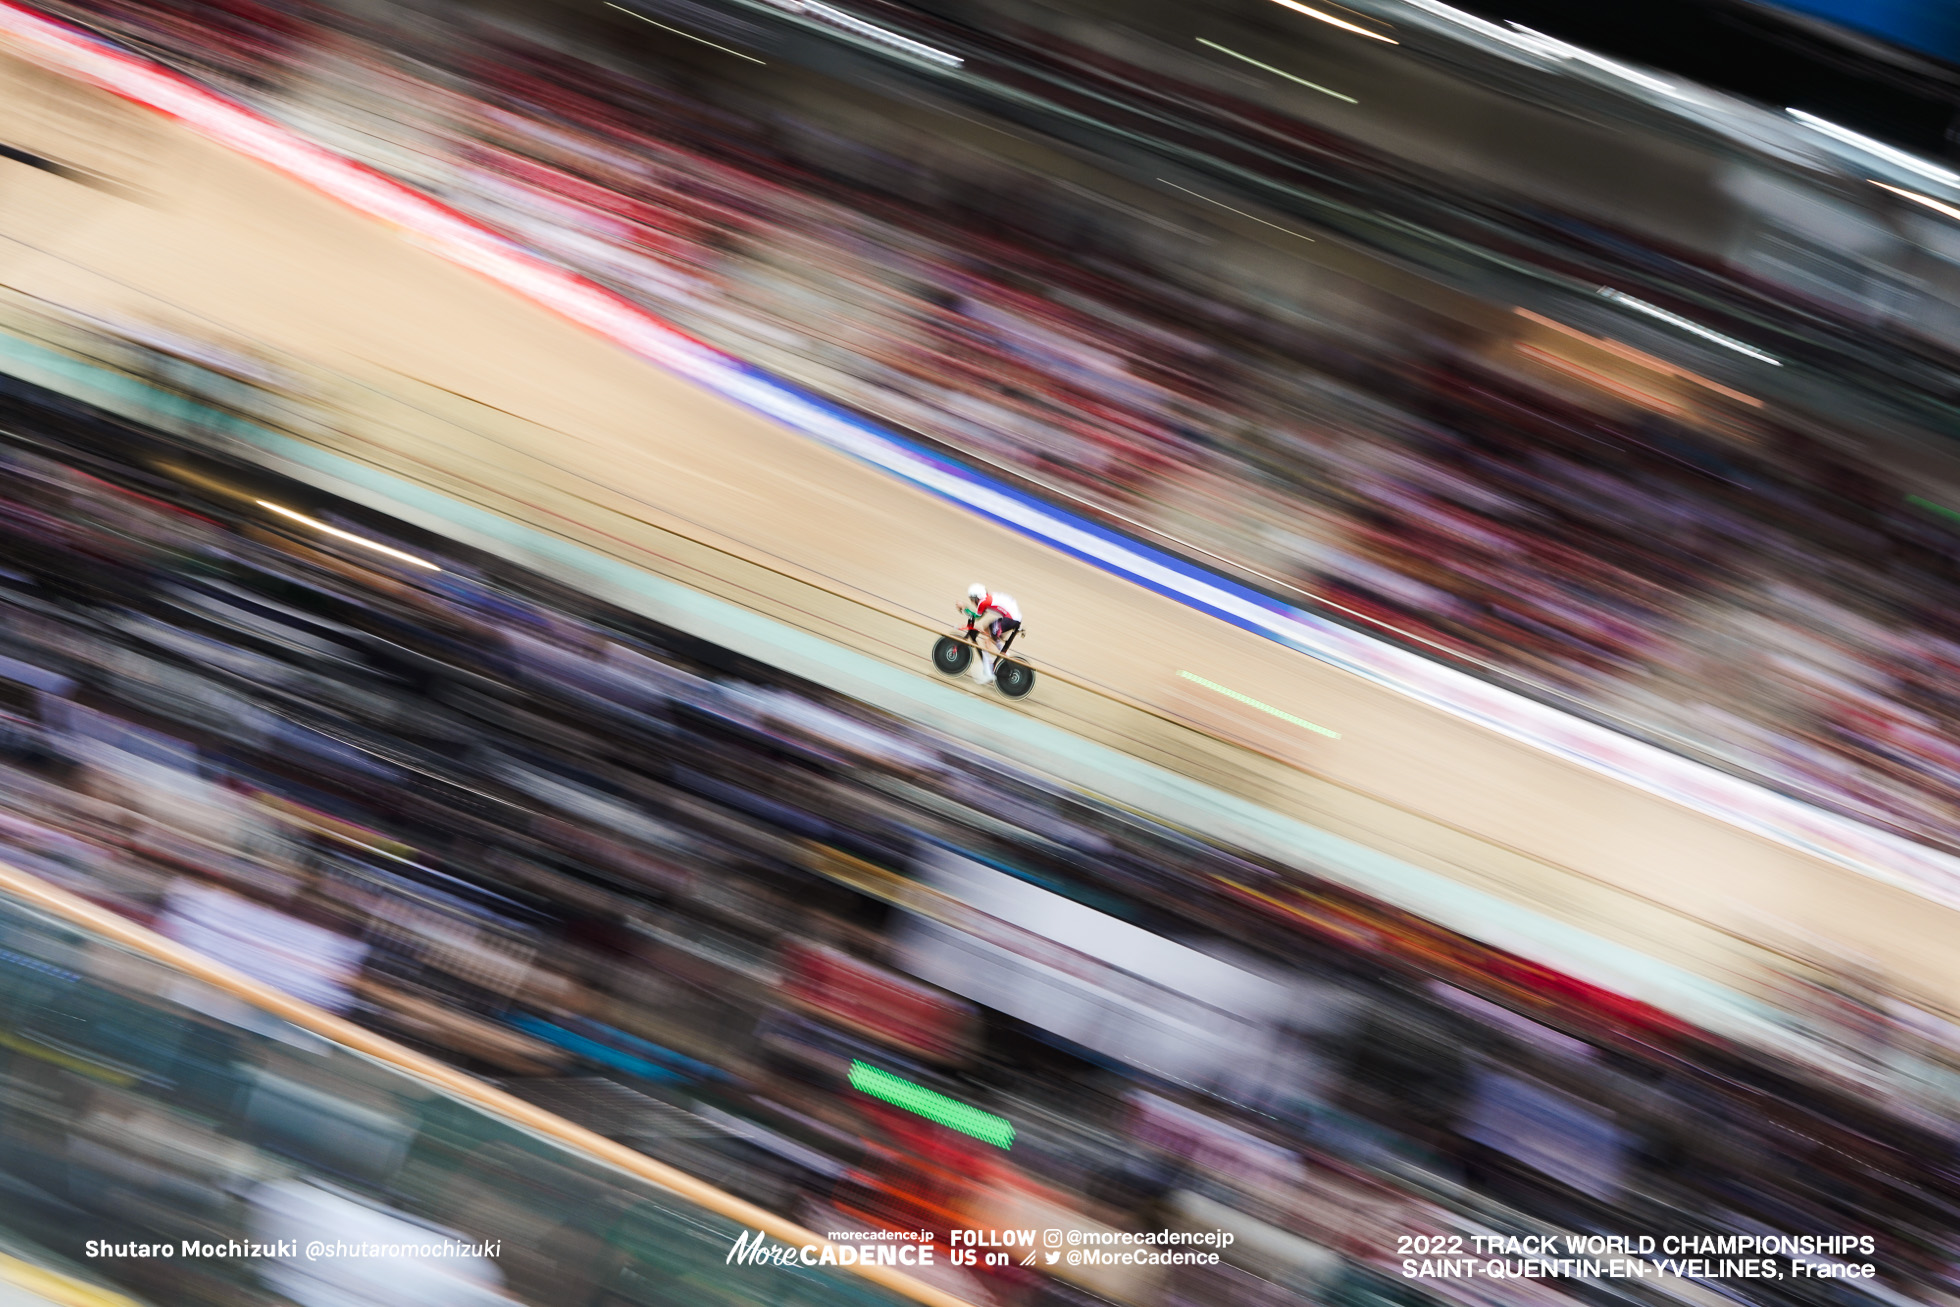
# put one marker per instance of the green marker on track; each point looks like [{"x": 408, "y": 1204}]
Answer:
[{"x": 1251, "y": 702}]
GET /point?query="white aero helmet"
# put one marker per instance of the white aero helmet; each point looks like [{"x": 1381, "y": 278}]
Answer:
[{"x": 976, "y": 592}]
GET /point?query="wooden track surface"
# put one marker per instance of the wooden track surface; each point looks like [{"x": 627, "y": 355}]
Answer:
[{"x": 454, "y": 382}]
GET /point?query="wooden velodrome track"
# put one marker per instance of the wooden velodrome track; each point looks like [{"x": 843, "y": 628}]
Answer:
[{"x": 452, "y": 381}]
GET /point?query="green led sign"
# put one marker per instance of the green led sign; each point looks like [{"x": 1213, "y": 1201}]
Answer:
[{"x": 954, "y": 1115}]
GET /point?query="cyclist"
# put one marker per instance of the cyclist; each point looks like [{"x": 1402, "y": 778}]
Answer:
[{"x": 997, "y": 617}]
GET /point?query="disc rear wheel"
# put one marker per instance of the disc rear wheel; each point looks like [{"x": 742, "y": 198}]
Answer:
[{"x": 1013, "y": 679}]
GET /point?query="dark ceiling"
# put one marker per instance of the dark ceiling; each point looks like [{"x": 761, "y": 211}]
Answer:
[{"x": 1769, "y": 55}]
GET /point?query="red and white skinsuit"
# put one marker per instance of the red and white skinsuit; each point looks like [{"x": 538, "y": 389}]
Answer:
[{"x": 998, "y": 616}]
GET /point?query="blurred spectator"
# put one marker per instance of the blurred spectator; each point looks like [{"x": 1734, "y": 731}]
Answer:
[{"x": 657, "y": 889}]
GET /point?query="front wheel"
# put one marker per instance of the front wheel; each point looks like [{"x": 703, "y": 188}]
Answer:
[
  {"x": 1013, "y": 679},
  {"x": 952, "y": 655}
]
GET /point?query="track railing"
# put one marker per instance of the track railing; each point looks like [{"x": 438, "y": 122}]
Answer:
[{"x": 65, "y": 961}]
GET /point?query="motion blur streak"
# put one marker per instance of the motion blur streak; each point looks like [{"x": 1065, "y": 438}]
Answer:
[
  {"x": 624, "y": 881},
  {"x": 871, "y": 31},
  {"x": 689, "y": 35},
  {"x": 1132, "y": 463},
  {"x": 1877, "y": 149},
  {"x": 1937, "y": 206},
  {"x": 1647, "y": 361},
  {"x": 1676, "y": 320},
  {"x": 388, "y": 1053},
  {"x": 1240, "y": 212},
  {"x": 195, "y": 981},
  {"x": 1277, "y": 72},
  {"x": 1341, "y": 23},
  {"x": 1548, "y": 45},
  {"x": 1646, "y": 399},
  {"x": 348, "y": 536},
  {"x": 583, "y": 738},
  {"x": 55, "y": 1289}
]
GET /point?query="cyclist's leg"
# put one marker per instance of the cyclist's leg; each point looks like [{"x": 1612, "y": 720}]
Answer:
[{"x": 983, "y": 666}]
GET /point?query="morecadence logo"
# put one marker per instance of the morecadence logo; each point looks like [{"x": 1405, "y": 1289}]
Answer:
[{"x": 754, "y": 1248}]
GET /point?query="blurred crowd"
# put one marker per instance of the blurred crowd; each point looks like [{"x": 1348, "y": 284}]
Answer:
[
  {"x": 1751, "y": 596},
  {"x": 677, "y": 897},
  {"x": 142, "y": 1111}
]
